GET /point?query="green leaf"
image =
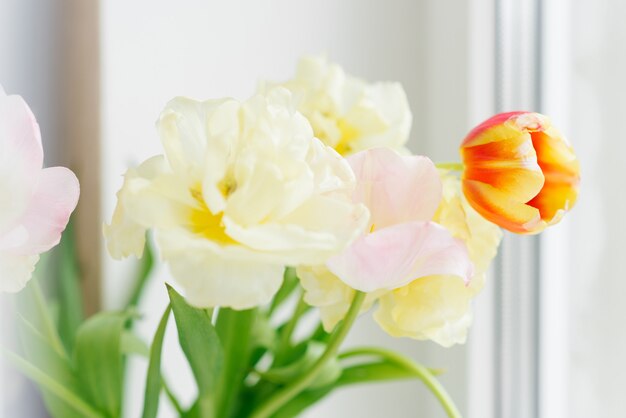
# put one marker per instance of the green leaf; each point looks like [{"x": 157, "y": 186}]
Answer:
[
  {"x": 263, "y": 339},
  {"x": 263, "y": 333},
  {"x": 202, "y": 347},
  {"x": 290, "y": 282},
  {"x": 294, "y": 407},
  {"x": 144, "y": 270},
  {"x": 193, "y": 412},
  {"x": 320, "y": 334},
  {"x": 33, "y": 307},
  {"x": 234, "y": 331},
  {"x": 328, "y": 375},
  {"x": 98, "y": 356},
  {"x": 375, "y": 371},
  {"x": 51, "y": 385},
  {"x": 70, "y": 298},
  {"x": 153, "y": 380},
  {"x": 42, "y": 356},
  {"x": 132, "y": 344}
]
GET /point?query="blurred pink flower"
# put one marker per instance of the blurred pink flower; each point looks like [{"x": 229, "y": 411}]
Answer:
[
  {"x": 402, "y": 194},
  {"x": 35, "y": 202}
]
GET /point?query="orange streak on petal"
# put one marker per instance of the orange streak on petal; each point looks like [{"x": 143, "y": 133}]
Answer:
[
  {"x": 508, "y": 162},
  {"x": 521, "y": 184},
  {"x": 498, "y": 207},
  {"x": 562, "y": 172},
  {"x": 554, "y": 200}
]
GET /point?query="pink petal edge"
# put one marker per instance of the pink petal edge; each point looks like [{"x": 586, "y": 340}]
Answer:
[
  {"x": 395, "y": 256},
  {"x": 49, "y": 210},
  {"x": 396, "y": 189}
]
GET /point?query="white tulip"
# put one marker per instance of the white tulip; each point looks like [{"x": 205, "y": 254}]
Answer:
[
  {"x": 347, "y": 113},
  {"x": 243, "y": 190}
]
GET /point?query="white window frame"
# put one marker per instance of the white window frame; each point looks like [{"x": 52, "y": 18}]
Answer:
[{"x": 518, "y": 354}]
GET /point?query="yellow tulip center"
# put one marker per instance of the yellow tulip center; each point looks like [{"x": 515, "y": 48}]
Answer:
[
  {"x": 206, "y": 223},
  {"x": 227, "y": 186},
  {"x": 348, "y": 134}
]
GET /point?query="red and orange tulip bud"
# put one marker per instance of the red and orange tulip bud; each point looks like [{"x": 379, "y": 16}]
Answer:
[{"x": 520, "y": 173}]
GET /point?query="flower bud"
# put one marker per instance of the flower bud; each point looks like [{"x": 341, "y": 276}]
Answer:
[{"x": 520, "y": 172}]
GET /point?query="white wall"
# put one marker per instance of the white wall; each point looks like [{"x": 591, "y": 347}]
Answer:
[{"x": 154, "y": 50}]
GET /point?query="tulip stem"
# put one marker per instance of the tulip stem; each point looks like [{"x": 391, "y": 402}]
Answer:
[
  {"x": 285, "y": 337},
  {"x": 427, "y": 376},
  {"x": 447, "y": 165},
  {"x": 284, "y": 395}
]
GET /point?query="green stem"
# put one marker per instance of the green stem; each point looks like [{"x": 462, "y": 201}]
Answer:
[
  {"x": 375, "y": 351},
  {"x": 287, "y": 332},
  {"x": 284, "y": 395},
  {"x": 423, "y": 373},
  {"x": 448, "y": 165},
  {"x": 290, "y": 283},
  {"x": 47, "y": 322},
  {"x": 51, "y": 385}
]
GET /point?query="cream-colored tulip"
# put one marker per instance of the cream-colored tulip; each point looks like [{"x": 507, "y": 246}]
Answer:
[
  {"x": 348, "y": 113},
  {"x": 243, "y": 190},
  {"x": 327, "y": 292},
  {"x": 481, "y": 237},
  {"x": 438, "y": 308},
  {"x": 433, "y": 307}
]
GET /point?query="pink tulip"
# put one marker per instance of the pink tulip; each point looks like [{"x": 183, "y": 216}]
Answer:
[
  {"x": 402, "y": 194},
  {"x": 35, "y": 202}
]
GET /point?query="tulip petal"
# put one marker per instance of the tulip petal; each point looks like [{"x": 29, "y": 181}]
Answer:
[
  {"x": 562, "y": 172},
  {"x": 395, "y": 188},
  {"x": 20, "y": 133},
  {"x": 124, "y": 235},
  {"x": 481, "y": 237},
  {"x": 392, "y": 257},
  {"x": 476, "y": 137},
  {"x": 436, "y": 308},
  {"x": 209, "y": 279},
  {"x": 499, "y": 208},
  {"x": 16, "y": 271},
  {"x": 508, "y": 162},
  {"x": 333, "y": 297},
  {"x": 49, "y": 209},
  {"x": 153, "y": 196},
  {"x": 310, "y": 234},
  {"x": 21, "y": 157},
  {"x": 185, "y": 125}
]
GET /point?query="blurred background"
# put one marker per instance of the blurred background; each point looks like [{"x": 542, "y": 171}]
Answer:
[{"x": 548, "y": 338}]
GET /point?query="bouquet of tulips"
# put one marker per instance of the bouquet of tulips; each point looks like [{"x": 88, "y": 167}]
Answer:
[{"x": 300, "y": 201}]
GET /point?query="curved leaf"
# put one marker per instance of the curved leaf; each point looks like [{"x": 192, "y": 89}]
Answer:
[
  {"x": 233, "y": 328},
  {"x": 42, "y": 356},
  {"x": 328, "y": 375},
  {"x": 153, "y": 380},
  {"x": 50, "y": 385},
  {"x": 98, "y": 356},
  {"x": 380, "y": 370},
  {"x": 202, "y": 347}
]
